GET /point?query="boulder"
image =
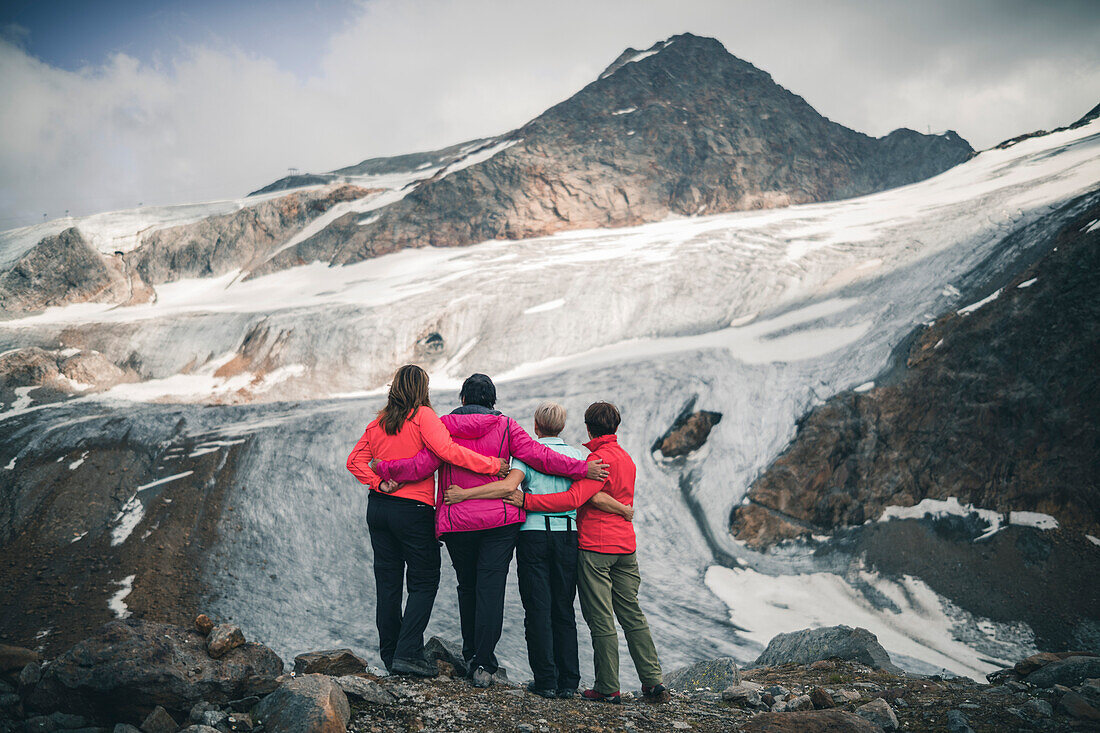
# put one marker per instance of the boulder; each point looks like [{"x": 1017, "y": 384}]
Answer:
[
  {"x": 333, "y": 662},
  {"x": 131, "y": 666},
  {"x": 1077, "y": 706},
  {"x": 742, "y": 694},
  {"x": 812, "y": 721},
  {"x": 714, "y": 675},
  {"x": 442, "y": 650},
  {"x": 365, "y": 690},
  {"x": 957, "y": 722},
  {"x": 879, "y": 712},
  {"x": 29, "y": 676},
  {"x": 223, "y": 638},
  {"x": 126, "y": 728},
  {"x": 811, "y": 645},
  {"x": 159, "y": 721},
  {"x": 688, "y": 433},
  {"x": 1024, "y": 667},
  {"x": 311, "y": 703},
  {"x": 1070, "y": 671},
  {"x": 1036, "y": 709},
  {"x": 801, "y": 702},
  {"x": 821, "y": 699}
]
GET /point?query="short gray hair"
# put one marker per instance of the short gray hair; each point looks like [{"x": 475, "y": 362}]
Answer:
[{"x": 550, "y": 417}]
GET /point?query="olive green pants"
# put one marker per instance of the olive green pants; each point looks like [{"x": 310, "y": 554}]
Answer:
[{"x": 608, "y": 589}]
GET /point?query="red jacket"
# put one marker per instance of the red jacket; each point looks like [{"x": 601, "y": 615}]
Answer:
[
  {"x": 423, "y": 429},
  {"x": 597, "y": 531}
]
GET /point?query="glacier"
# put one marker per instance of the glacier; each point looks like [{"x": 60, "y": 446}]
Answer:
[{"x": 758, "y": 315}]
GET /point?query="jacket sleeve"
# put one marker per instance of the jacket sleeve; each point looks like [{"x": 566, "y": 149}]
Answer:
[
  {"x": 563, "y": 501},
  {"x": 540, "y": 457},
  {"x": 408, "y": 470},
  {"x": 438, "y": 439},
  {"x": 359, "y": 462}
]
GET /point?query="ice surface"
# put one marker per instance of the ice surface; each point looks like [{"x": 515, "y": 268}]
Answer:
[{"x": 133, "y": 511}]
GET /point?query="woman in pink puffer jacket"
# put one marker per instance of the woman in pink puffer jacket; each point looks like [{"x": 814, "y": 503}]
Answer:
[{"x": 481, "y": 534}]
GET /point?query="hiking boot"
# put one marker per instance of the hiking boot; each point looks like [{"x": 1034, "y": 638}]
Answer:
[
  {"x": 418, "y": 667},
  {"x": 614, "y": 698},
  {"x": 547, "y": 692},
  {"x": 567, "y": 693},
  {"x": 656, "y": 693},
  {"x": 481, "y": 677}
]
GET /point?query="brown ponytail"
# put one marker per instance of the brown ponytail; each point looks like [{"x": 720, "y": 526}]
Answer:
[{"x": 408, "y": 392}]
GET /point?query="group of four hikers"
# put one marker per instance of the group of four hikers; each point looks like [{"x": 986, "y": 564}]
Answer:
[{"x": 568, "y": 518}]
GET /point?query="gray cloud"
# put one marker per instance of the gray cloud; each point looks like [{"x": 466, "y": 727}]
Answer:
[{"x": 405, "y": 75}]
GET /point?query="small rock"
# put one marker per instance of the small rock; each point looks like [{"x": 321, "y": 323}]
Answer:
[
  {"x": 1024, "y": 667},
  {"x": 239, "y": 722},
  {"x": 332, "y": 662},
  {"x": 30, "y": 675},
  {"x": 776, "y": 691},
  {"x": 365, "y": 690},
  {"x": 310, "y": 703},
  {"x": 1036, "y": 709},
  {"x": 126, "y": 728},
  {"x": 222, "y": 639},
  {"x": 213, "y": 718},
  {"x": 525, "y": 728},
  {"x": 442, "y": 650},
  {"x": 200, "y": 729},
  {"x": 39, "y": 724},
  {"x": 65, "y": 721},
  {"x": 802, "y": 702},
  {"x": 159, "y": 721},
  {"x": 845, "y": 696},
  {"x": 199, "y": 709},
  {"x": 741, "y": 694},
  {"x": 821, "y": 699},
  {"x": 879, "y": 712},
  {"x": 1078, "y": 706},
  {"x": 681, "y": 725},
  {"x": 957, "y": 722},
  {"x": 714, "y": 675},
  {"x": 1017, "y": 686},
  {"x": 204, "y": 624}
]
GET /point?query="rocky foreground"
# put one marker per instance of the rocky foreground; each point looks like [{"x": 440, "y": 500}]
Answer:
[{"x": 135, "y": 675}]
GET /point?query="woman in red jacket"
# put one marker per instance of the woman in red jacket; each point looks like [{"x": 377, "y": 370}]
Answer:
[{"x": 401, "y": 519}]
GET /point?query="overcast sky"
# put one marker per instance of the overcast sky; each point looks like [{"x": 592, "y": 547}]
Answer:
[{"x": 109, "y": 104}]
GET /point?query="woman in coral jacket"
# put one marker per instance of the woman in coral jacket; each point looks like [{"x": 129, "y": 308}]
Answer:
[
  {"x": 401, "y": 519},
  {"x": 481, "y": 534}
]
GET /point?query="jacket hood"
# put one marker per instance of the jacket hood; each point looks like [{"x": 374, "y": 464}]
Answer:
[{"x": 471, "y": 425}]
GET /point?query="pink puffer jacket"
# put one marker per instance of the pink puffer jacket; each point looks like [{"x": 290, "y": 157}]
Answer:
[{"x": 491, "y": 434}]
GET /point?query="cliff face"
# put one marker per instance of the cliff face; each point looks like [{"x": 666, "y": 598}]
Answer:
[
  {"x": 683, "y": 128},
  {"x": 997, "y": 408}
]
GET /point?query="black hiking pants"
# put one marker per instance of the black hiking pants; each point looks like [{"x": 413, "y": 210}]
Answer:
[{"x": 547, "y": 564}]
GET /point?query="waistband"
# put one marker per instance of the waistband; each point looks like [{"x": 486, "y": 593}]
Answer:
[{"x": 383, "y": 496}]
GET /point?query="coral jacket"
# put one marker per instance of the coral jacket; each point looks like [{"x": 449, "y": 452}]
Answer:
[
  {"x": 597, "y": 531},
  {"x": 422, "y": 430},
  {"x": 485, "y": 431}
]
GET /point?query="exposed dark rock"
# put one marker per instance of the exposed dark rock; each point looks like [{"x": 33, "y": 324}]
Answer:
[
  {"x": 334, "y": 662},
  {"x": 1078, "y": 707},
  {"x": 830, "y": 642},
  {"x": 223, "y": 638},
  {"x": 715, "y": 675},
  {"x": 957, "y": 722},
  {"x": 204, "y": 624},
  {"x": 688, "y": 129},
  {"x": 995, "y": 408},
  {"x": 813, "y": 721},
  {"x": 295, "y": 181},
  {"x": 132, "y": 666},
  {"x": 219, "y": 244},
  {"x": 822, "y": 700},
  {"x": 310, "y": 703},
  {"x": 61, "y": 270},
  {"x": 688, "y": 433},
  {"x": 15, "y": 658},
  {"x": 60, "y": 372},
  {"x": 159, "y": 721},
  {"x": 1070, "y": 671}
]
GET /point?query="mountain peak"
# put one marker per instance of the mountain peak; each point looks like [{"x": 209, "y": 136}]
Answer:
[{"x": 685, "y": 42}]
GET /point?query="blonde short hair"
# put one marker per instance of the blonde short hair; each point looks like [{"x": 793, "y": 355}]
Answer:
[{"x": 550, "y": 418}]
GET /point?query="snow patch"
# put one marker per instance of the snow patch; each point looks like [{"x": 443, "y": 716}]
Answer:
[
  {"x": 78, "y": 462},
  {"x": 1093, "y": 540},
  {"x": 1032, "y": 519},
  {"x": 479, "y": 157},
  {"x": 133, "y": 511},
  {"x": 1028, "y": 283},
  {"x": 865, "y": 387},
  {"x": 23, "y": 398},
  {"x": 984, "y": 301},
  {"x": 625, "y": 111},
  {"x": 938, "y": 508},
  {"x": 78, "y": 537},
  {"x": 764, "y": 605},
  {"x": 115, "y": 603},
  {"x": 639, "y": 56},
  {"x": 1093, "y": 226},
  {"x": 10, "y": 466}
]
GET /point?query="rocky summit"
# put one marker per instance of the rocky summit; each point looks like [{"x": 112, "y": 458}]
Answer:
[
  {"x": 166, "y": 679},
  {"x": 680, "y": 129}
]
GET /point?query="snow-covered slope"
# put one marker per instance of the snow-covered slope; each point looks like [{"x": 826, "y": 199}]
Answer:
[{"x": 757, "y": 315}]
